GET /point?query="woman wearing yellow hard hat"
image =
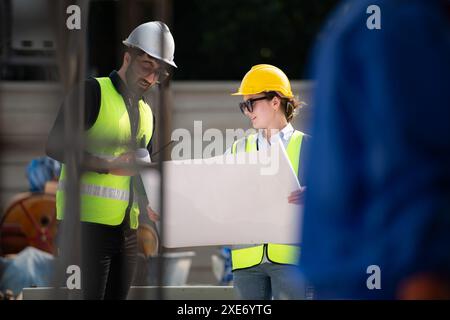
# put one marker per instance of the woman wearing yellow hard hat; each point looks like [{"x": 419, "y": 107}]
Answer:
[{"x": 269, "y": 270}]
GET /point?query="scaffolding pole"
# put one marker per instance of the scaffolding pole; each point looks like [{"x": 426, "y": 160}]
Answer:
[{"x": 71, "y": 48}]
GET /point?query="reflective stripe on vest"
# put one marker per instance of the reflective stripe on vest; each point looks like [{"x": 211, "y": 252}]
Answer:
[
  {"x": 249, "y": 256},
  {"x": 105, "y": 197},
  {"x": 100, "y": 191}
]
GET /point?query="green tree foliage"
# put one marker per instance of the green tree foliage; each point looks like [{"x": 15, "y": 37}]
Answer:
[{"x": 221, "y": 40}]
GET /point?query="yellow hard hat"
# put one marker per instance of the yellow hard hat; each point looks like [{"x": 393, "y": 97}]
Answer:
[{"x": 262, "y": 78}]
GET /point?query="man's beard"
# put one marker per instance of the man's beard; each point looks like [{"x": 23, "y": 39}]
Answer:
[{"x": 133, "y": 83}]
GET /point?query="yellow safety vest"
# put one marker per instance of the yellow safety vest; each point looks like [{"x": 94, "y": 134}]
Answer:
[
  {"x": 251, "y": 256},
  {"x": 105, "y": 197}
]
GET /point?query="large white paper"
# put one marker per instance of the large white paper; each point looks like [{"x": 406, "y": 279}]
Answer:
[{"x": 213, "y": 202}]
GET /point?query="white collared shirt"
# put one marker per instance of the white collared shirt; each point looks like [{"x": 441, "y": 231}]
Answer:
[{"x": 284, "y": 134}]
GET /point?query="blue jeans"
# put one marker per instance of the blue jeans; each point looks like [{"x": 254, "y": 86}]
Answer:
[{"x": 267, "y": 281}]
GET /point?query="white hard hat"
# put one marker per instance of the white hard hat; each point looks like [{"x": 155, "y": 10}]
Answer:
[{"x": 147, "y": 37}]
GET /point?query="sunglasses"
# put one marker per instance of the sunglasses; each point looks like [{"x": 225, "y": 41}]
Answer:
[
  {"x": 147, "y": 67},
  {"x": 249, "y": 104},
  {"x": 160, "y": 72}
]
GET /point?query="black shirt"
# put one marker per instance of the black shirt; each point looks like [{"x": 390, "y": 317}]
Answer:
[{"x": 92, "y": 95}]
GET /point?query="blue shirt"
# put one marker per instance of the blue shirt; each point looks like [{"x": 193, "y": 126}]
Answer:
[{"x": 379, "y": 168}]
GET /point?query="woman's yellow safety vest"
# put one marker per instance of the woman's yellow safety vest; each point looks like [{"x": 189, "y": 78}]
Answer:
[
  {"x": 105, "y": 197},
  {"x": 250, "y": 256}
]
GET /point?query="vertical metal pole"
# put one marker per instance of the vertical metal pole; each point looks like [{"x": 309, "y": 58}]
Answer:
[
  {"x": 129, "y": 17},
  {"x": 72, "y": 65},
  {"x": 164, "y": 134},
  {"x": 3, "y": 17}
]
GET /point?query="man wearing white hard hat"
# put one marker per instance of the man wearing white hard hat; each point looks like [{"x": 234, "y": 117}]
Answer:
[{"x": 117, "y": 121}]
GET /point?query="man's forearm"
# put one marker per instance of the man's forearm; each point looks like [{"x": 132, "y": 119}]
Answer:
[{"x": 96, "y": 164}]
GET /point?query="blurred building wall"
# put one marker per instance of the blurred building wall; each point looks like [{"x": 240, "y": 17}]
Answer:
[{"x": 27, "y": 112}]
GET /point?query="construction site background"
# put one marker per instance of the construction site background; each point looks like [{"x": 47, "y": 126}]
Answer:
[{"x": 216, "y": 42}]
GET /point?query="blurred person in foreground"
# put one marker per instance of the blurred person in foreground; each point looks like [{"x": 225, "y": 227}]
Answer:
[{"x": 379, "y": 167}]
